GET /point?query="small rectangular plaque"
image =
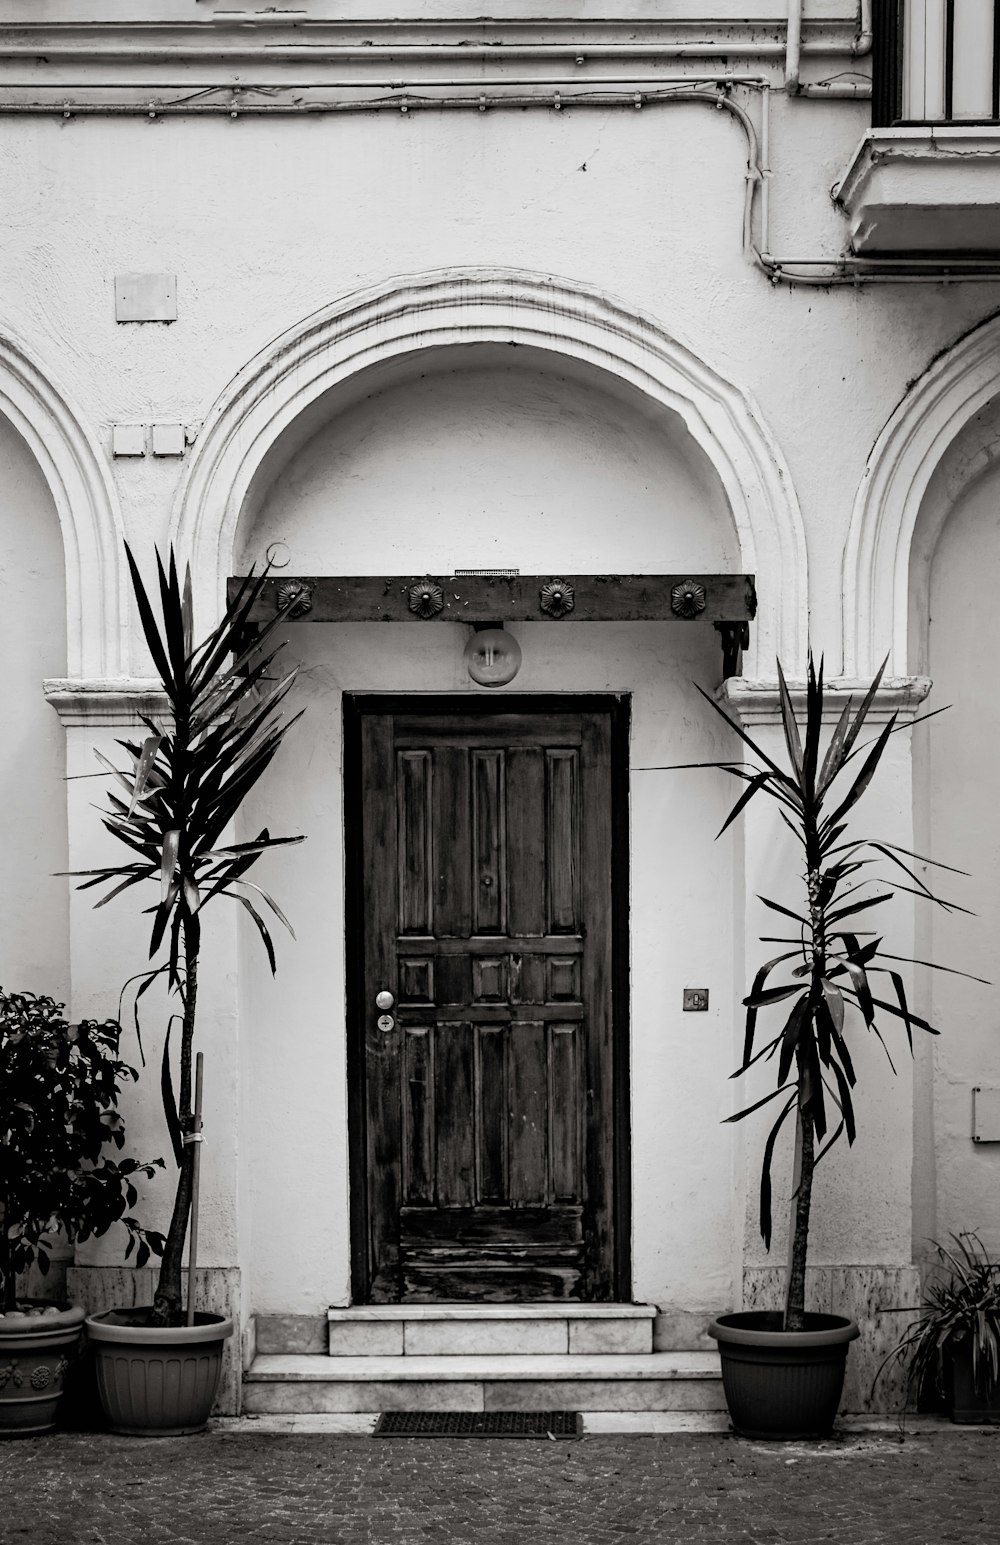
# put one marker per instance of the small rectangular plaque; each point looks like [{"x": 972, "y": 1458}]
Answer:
[
  {"x": 985, "y": 1115},
  {"x": 145, "y": 297}
]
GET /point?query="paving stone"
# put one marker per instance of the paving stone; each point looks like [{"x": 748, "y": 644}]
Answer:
[{"x": 92, "y": 1488}]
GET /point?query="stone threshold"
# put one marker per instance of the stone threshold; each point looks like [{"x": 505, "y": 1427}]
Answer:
[
  {"x": 486, "y": 1329},
  {"x": 606, "y": 1423},
  {"x": 653, "y": 1381},
  {"x": 558, "y": 1365},
  {"x": 362, "y": 1424},
  {"x": 569, "y": 1311}
]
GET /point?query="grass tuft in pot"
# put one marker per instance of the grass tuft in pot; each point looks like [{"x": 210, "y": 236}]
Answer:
[
  {"x": 834, "y": 974},
  {"x": 59, "y": 1091},
  {"x": 175, "y": 802},
  {"x": 959, "y": 1316}
]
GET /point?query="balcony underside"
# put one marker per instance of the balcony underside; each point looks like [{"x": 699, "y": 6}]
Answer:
[{"x": 925, "y": 191}]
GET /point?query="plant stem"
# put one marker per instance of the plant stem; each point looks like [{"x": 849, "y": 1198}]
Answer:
[
  {"x": 6, "y": 1254},
  {"x": 796, "y": 1301},
  {"x": 167, "y": 1303}
]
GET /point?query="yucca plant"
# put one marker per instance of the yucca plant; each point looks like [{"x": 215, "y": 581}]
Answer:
[
  {"x": 834, "y": 967},
  {"x": 182, "y": 788},
  {"x": 961, "y": 1307}
]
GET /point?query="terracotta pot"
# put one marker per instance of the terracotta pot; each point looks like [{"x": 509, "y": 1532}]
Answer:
[
  {"x": 782, "y": 1384},
  {"x": 157, "y": 1382},
  {"x": 35, "y": 1352}
]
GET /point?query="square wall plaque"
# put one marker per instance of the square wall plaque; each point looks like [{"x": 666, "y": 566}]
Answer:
[{"x": 146, "y": 297}]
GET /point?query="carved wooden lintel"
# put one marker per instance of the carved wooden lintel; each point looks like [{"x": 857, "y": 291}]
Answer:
[{"x": 728, "y": 598}]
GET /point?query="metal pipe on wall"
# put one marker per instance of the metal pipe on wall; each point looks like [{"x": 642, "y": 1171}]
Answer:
[
  {"x": 478, "y": 51},
  {"x": 793, "y": 46},
  {"x": 866, "y": 32}
]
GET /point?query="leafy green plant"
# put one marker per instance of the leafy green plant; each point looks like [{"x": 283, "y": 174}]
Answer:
[
  {"x": 59, "y": 1090},
  {"x": 836, "y": 967},
  {"x": 961, "y": 1304},
  {"x": 184, "y": 786}
]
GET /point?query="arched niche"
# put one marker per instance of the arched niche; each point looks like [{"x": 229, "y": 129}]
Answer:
[
  {"x": 954, "y": 636},
  {"x": 82, "y": 492},
  {"x": 484, "y": 456},
  {"x": 34, "y": 946},
  {"x": 907, "y": 456},
  {"x": 574, "y": 325}
]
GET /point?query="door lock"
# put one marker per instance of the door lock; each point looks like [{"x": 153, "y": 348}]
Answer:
[{"x": 386, "y": 1023}]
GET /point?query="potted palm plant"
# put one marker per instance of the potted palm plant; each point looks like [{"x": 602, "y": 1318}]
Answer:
[
  {"x": 59, "y": 1091},
  {"x": 783, "y": 1372},
  {"x": 952, "y": 1349},
  {"x": 184, "y": 784}
]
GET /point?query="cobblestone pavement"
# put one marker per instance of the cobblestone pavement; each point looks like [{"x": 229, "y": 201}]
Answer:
[{"x": 96, "y": 1489}]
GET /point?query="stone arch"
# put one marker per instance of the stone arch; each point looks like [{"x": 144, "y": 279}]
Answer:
[
  {"x": 87, "y": 507},
  {"x": 903, "y": 460},
  {"x": 473, "y": 305}
]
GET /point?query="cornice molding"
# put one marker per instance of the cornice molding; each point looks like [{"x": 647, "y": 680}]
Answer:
[
  {"x": 101, "y": 702},
  {"x": 755, "y": 700}
]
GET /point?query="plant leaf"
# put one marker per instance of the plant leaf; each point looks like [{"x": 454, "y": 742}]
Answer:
[{"x": 169, "y": 1102}]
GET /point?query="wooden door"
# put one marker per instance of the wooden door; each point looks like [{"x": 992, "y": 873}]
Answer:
[{"x": 488, "y": 1091}]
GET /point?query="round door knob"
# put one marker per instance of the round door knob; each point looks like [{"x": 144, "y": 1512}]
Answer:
[{"x": 384, "y": 1000}]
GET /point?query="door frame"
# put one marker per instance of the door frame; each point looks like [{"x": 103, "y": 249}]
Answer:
[{"x": 356, "y": 705}]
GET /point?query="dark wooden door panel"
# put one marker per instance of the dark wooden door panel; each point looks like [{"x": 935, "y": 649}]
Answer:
[{"x": 487, "y": 914}]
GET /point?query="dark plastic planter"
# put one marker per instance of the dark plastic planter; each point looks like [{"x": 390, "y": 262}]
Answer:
[
  {"x": 35, "y": 1352},
  {"x": 156, "y": 1382},
  {"x": 966, "y": 1404},
  {"x": 782, "y": 1384}
]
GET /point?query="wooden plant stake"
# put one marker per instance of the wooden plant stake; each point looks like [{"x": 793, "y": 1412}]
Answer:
[{"x": 195, "y": 1137}]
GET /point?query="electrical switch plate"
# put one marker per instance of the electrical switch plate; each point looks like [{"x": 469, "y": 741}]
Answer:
[
  {"x": 146, "y": 297},
  {"x": 695, "y": 1000},
  {"x": 128, "y": 439},
  {"x": 985, "y": 1115},
  {"x": 168, "y": 440}
]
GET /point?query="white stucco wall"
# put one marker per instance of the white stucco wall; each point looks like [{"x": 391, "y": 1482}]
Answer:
[{"x": 264, "y": 224}]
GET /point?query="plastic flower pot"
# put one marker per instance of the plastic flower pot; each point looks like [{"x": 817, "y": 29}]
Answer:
[
  {"x": 782, "y": 1384},
  {"x": 157, "y": 1382},
  {"x": 966, "y": 1404},
  {"x": 37, "y": 1344}
]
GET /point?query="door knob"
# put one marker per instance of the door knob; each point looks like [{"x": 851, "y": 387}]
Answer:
[{"x": 384, "y": 1000}]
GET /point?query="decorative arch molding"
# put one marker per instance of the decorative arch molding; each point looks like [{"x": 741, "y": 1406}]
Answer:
[
  {"x": 876, "y": 576},
  {"x": 487, "y": 305},
  {"x": 86, "y": 504}
]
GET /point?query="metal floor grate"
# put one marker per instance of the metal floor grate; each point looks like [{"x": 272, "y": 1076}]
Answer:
[{"x": 478, "y": 1424}]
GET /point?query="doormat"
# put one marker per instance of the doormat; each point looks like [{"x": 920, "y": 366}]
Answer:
[{"x": 478, "y": 1424}]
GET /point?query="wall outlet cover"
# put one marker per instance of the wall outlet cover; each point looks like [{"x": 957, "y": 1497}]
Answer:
[
  {"x": 168, "y": 440},
  {"x": 128, "y": 439}
]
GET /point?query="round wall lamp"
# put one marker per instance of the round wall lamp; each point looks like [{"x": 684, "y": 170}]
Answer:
[{"x": 492, "y": 657}]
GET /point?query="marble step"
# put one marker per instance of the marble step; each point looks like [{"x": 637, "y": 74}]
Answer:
[
  {"x": 651, "y": 1381},
  {"x": 432, "y": 1330}
]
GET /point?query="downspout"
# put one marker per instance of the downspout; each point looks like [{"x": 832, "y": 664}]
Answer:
[
  {"x": 866, "y": 33},
  {"x": 793, "y": 47}
]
